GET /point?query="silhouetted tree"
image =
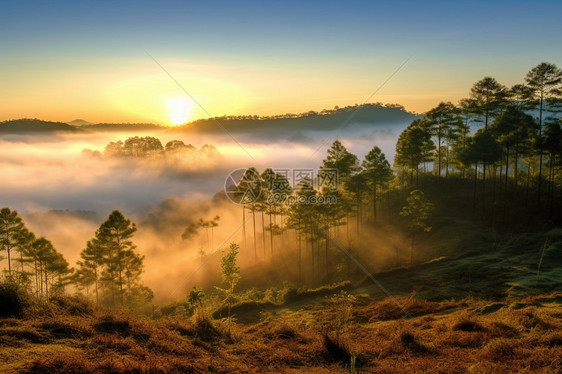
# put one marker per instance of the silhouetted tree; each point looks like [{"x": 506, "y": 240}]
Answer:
[
  {"x": 11, "y": 228},
  {"x": 544, "y": 81},
  {"x": 378, "y": 172},
  {"x": 114, "y": 238},
  {"x": 440, "y": 121},
  {"x": 418, "y": 209}
]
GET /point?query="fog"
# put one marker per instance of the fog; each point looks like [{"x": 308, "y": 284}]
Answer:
[{"x": 64, "y": 193}]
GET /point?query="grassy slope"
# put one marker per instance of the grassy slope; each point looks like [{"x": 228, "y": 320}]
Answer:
[
  {"x": 470, "y": 314},
  {"x": 447, "y": 337}
]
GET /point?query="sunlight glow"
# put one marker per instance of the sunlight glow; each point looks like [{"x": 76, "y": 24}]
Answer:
[{"x": 179, "y": 110}]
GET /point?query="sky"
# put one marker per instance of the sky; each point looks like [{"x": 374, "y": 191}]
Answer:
[{"x": 125, "y": 61}]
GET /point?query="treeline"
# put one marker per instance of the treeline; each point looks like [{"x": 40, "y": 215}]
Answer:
[
  {"x": 317, "y": 209},
  {"x": 518, "y": 144},
  {"x": 324, "y": 112},
  {"x": 518, "y": 125},
  {"x": 147, "y": 147},
  {"x": 109, "y": 262}
]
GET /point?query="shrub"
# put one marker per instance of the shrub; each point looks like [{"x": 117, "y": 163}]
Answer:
[
  {"x": 111, "y": 325},
  {"x": 13, "y": 299},
  {"x": 337, "y": 350},
  {"x": 468, "y": 324},
  {"x": 74, "y": 305},
  {"x": 498, "y": 350}
]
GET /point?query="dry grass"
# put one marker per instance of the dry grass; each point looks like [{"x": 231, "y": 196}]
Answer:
[{"x": 448, "y": 337}]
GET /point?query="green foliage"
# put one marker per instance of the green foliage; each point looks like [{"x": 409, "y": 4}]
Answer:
[
  {"x": 487, "y": 97},
  {"x": 418, "y": 210},
  {"x": 481, "y": 147},
  {"x": 230, "y": 275},
  {"x": 343, "y": 305},
  {"x": 11, "y": 227},
  {"x": 195, "y": 297},
  {"x": 514, "y": 129},
  {"x": 13, "y": 298},
  {"x": 414, "y": 146},
  {"x": 110, "y": 259},
  {"x": 339, "y": 158}
]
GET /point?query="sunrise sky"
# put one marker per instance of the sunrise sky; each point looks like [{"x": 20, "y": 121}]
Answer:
[{"x": 64, "y": 60}]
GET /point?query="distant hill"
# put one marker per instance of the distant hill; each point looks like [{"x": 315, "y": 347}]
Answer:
[
  {"x": 122, "y": 127},
  {"x": 289, "y": 126},
  {"x": 27, "y": 125},
  {"x": 78, "y": 123},
  {"x": 46, "y": 217},
  {"x": 369, "y": 114}
]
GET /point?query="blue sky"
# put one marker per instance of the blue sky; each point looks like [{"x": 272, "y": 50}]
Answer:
[{"x": 355, "y": 45}]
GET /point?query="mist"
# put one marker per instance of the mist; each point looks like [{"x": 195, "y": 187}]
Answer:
[{"x": 65, "y": 187}]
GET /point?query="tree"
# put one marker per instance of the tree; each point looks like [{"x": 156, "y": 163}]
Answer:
[
  {"x": 50, "y": 263},
  {"x": 482, "y": 147},
  {"x": 210, "y": 224},
  {"x": 378, "y": 172},
  {"x": 514, "y": 130},
  {"x": 358, "y": 186},
  {"x": 487, "y": 96},
  {"x": 250, "y": 189},
  {"x": 544, "y": 81},
  {"x": 11, "y": 228},
  {"x": 230, "y": 275},
  {"x": 440, "y": 120},
  {"x": 519, "y": 95},
  {"x": 113, "y": 237},
  {"x": 196, "y": 296},
  {"x": 89, "y": 268},
  {"x": 553, "y": 145},
  {"x": 339, "y": 158},
  {"x": 418, "y": 209},
  {"x": 466, "y": 108},
  {"x": 414, "y": 146},
  {"x": 276, "y": 189}
]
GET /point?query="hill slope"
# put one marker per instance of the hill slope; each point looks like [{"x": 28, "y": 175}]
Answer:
[
  {"x": 370, "y": 115},
  {"x": 26, "y": 125}
]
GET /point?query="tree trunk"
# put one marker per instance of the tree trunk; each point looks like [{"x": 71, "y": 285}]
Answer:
[
  {"x": 299, "y": 254},
  {"x": 516, "y": 155},
  {"x": 9, "y": 259},
  {"x": 263, "y": 230},
  {"x": 271, "y": 232},
  {"x": 254, "y": 222},
  {"x": 540, "y": 147},
  {"x": 327, "y": 250},
  {"x": 475, "y": 181},
  {"x": 96, "y": 284},
  {"x": 412, "y": 248},
  {"x": 374, "y": 202},
  {"x": 244, "y": 228},
  {"x": 439, "y": 154},
  {"x": 506, "y": 165}
]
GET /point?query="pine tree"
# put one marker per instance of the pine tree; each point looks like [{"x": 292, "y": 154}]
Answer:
[
  {"x": 414, "y": 146},
  {"x": 113, "y": 238},
  {"x": 544, "y": 82},
  {"x": 487, "y": 97},
  {"x": 378, "y": 172},
  {"x": 230, "y": 275},
  {"x": 11, "y": 228},
  {"x": 514, "y": 130},
  {"x": 440, "y": 121},
  {"x": 90, "y": 267},
  {"x": 418, "y": 210}
]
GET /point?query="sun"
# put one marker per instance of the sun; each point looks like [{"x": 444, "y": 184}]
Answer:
[{"x": 179, "y": 110}]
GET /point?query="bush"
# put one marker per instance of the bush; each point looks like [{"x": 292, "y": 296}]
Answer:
[
  {"x": 13, "y": 299},
  {"x": 74, "y": 305},
  {"x": 336, "y": 349}
]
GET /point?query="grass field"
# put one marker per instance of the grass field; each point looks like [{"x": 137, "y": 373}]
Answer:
[{"x": 466, "y": 336}]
